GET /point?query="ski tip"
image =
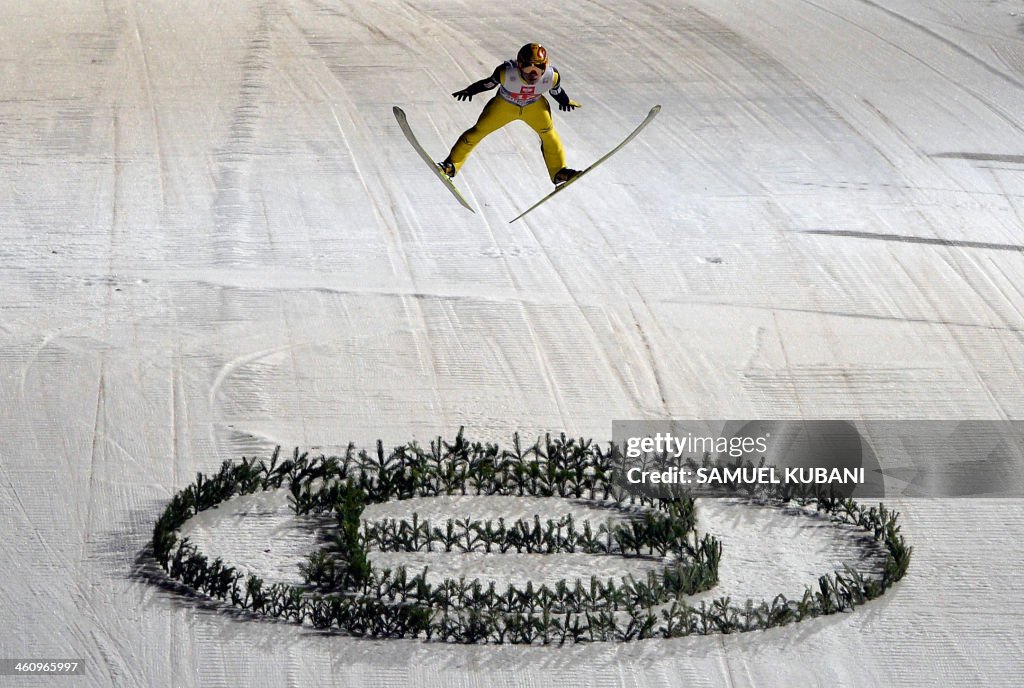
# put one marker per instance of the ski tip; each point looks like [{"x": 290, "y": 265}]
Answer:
[
  {"x": 656, "y": 109},
  {"x": 399, "y": 111}
]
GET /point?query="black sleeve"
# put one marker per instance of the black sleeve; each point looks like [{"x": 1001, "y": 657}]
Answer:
[
  {"x": 486, "y": 84},
  {"x": 559, "y": 94}
]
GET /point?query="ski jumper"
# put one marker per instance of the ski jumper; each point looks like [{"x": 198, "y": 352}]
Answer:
[{"x": 516, "y": 99}]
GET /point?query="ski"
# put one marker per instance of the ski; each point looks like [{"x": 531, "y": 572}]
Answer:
[
  {"x": 647, "y": 120},
  {"x": 403, "y": 123}
]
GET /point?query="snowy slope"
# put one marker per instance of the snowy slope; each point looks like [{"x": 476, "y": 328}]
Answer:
[{"x": 217, "y": 240}]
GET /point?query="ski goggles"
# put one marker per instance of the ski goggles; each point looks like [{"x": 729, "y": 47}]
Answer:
[{"x": 534, "y": 69}]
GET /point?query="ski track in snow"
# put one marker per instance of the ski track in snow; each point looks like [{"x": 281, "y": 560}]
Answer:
[{"x": 217, "y": 241}]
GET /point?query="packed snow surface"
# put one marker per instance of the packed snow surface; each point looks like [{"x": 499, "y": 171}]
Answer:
[{"x": 216, "y": 241}]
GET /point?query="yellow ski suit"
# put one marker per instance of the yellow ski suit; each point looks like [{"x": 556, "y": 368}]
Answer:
[{"x": 531, "y": 107}]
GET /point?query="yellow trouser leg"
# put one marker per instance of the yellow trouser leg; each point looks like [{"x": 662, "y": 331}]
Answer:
[
  {"x": 538, "y": 116},
  {"x": 497, "y": 113}
]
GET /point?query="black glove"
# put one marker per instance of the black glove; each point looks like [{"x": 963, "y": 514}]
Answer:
[
  {"x": 568, "y": 105},
  {"x": 464, "y": 94}
]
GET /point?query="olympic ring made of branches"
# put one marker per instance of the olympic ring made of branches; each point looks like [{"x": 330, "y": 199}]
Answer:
[{"x": 343, "y": 592}]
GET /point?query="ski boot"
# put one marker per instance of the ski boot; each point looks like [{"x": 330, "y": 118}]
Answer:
[
  {"x": 564, "y": 175},
  {"x": 447, "y": 167}
]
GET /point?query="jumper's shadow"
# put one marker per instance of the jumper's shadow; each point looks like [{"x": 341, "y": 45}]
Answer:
[
  {"x": 928, "y": 241},
  {"x": 982, "y": 157}
]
